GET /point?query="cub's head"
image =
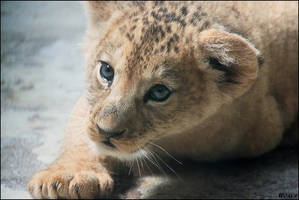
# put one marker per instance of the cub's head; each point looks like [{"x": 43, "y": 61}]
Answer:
[{"x": 157, "y": 69}]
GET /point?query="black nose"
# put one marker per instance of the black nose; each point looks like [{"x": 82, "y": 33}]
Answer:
[{"x": 111, "y": 134}]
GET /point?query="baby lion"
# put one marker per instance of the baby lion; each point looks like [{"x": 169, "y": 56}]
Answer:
[{"x": 200, "y": 80}]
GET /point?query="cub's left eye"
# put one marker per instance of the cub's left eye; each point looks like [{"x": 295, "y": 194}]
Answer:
[
  {"x": 158, "y": 93},
  {"x": 106, "y": 72}
]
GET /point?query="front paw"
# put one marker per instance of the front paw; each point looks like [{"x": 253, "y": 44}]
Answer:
[{"x": 64, "y": 183}]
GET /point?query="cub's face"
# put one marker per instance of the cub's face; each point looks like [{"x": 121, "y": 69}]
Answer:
[{"x": 149, "y": 78}]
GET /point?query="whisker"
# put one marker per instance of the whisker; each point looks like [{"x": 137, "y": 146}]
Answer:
[
  {"x": 141, "y": 163},
  {"x": 138, "y": 167},
  {"x": 157, "y": 163},
  {"x": 166, "y": 164},
  {"x": 165, "y": 152},
  {"x": 147, "y": 157},
  {"x": 131, "y": 167},
  {"x": 144, "y": 159}
]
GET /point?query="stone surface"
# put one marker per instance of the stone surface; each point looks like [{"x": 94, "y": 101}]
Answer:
[{"x": 42, "y": 76}]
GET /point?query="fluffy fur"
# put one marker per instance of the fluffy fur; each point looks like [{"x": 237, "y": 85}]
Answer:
[{"x": 232, "y": 69}]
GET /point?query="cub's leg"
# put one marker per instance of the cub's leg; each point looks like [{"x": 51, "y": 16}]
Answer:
[
  {"x": 72, "y": 177},
  {"x": 78, "y": 172}
]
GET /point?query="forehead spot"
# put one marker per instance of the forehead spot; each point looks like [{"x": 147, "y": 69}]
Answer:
[
  {"x": 169, "y": 44},
  {"x": 176, "y": 37},
  {"x": 155, "y": 16},
  {"x": 130, "y": 36},
  {"x": 133, "y": 28},
  {"x": 184, "y": 10},
  {"x": 168, "y": 29},
  {"x": 163, "y": 10}
]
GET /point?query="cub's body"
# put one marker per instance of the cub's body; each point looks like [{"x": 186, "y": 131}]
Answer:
[
  {"x": 237, "y": 96},
  {"x": 254, "y": 123}
]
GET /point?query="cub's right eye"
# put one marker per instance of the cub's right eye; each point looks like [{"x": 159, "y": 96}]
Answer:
[{"x": 106, "y": 72}]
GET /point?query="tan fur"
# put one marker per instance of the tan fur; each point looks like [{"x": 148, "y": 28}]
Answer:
[{"x": 212, "y": 114}]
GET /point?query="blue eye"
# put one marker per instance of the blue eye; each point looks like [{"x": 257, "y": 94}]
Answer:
[
  {"x": 106, "y": 71},
  {"x": 158, "y": 93}
]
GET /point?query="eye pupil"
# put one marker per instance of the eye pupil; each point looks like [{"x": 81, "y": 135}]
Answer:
[
  {"x": 106, "y": 72},
  {"x": 158, "y": 93}
]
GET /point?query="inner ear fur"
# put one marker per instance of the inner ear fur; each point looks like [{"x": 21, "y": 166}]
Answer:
[{"x": 232, "y": 55}]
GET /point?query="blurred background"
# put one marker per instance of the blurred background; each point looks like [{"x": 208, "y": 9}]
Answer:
[{"x": 42, "y": 76}]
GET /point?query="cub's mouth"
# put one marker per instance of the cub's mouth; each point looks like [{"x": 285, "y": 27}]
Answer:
[
  {"x": 109, "y": 135},
  {"x": 123, "y": 150},
  {"x": 108, "y": 143},
  {"x": 116, "y": 143}
]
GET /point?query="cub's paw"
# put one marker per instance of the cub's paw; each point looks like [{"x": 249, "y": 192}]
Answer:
[{"x": 70, "y": 184}]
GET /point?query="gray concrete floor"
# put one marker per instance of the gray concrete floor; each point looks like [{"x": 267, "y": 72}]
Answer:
[{"x": 42, "y": 76}]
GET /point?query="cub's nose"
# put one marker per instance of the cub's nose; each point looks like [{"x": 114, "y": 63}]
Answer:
[{"x": 110, "y": 134}]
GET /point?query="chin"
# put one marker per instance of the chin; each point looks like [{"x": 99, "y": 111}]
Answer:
[{"x": 105, "y": 150}]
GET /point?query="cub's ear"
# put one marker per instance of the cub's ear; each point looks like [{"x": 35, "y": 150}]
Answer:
[{"x": 233, "y": 60}]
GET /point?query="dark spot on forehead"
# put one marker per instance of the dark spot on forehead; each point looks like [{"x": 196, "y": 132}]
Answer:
[
  {"x": 156, "y": 16},
  {"x": 146, "y": 22},
  {"x": 133, "y": 28},
  {"x": 196, "y": 14},
  {"x": 168, "y": 29},
  {"x": 162, "y": 33},
  {"x": 176, "y": 49},
  {"x": 157, "y": 3},
  {"x": 183, "y": 23},
  {"x": 169, "y": 44},
  {"x": 176, "y": 37},
  {"x": 184, "y": 10},
  {"x": 170, "y": 17},
  {"x": 162, "y": 9},
  {"x": 193, "y": 21},
  {"x": 171, "y": 40},
  {"x": 130, "y": 36},
  {"x": 195, "y": 18}
]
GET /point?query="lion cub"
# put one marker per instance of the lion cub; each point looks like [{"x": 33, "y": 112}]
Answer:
[{"x": 199, "y": 80}]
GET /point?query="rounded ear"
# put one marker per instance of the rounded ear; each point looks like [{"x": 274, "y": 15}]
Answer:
[{"x": 234, "y": 59}]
